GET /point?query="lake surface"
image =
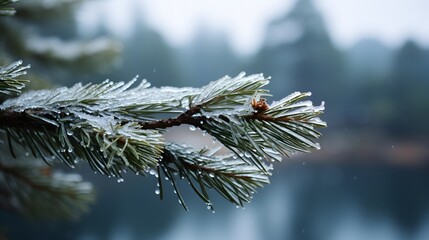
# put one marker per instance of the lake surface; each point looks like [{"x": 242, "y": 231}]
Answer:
[{"x": 306, "y": 200}]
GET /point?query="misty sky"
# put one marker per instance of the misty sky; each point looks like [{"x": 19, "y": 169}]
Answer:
[{"x": 244, "y": 21}]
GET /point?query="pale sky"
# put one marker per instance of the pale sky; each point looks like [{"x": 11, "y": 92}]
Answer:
[{"x": 244, "y": 21}]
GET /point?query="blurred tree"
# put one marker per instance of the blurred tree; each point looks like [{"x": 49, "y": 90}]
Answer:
[
  {"x": 53, "y": 48},
  {"x": 207, "y": 57},
  {"x": 146, "y": 53},
  {"x": 408, "y": 98},
  {"x": 369, "y": 66},
  {"x": 368, "y": 60},
  {"x": 299, "y": 54}
]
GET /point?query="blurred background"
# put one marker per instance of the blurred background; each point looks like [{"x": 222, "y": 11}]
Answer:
[{"x": 369, "y": 61}]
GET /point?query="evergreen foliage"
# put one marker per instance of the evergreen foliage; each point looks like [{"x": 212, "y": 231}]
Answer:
[
  {"x": 9, "y": 78},
  {"x": 5, "y": 10},
  {"x": 44, "y": 33},
  {"x": 118, "y": 127},
  {"x": 115, "y": 128}
]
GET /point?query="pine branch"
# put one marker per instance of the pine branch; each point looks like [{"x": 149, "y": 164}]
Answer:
[
  {"x": 31, "y": 187},
  {"x": 6, "y": 11},
  {"x": 116, "y": 127},
  {"x": 10, "y": 81},
  {"x": 285, "y": 128},
  {"x": 66, "y": 52},
  {"x": 234, "y": 179},
  {"x": 24, "y": 40}
]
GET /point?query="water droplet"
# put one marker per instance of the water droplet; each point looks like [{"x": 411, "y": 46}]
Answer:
[
  {"x": 152, "y": 172},
  {"x": 70, "y": 150},
  {"x": 317, "y": 146},
  {"x": 234, "y": 156},
  {"x": 211, "y": 175},
  {"x": 237, "y": 206},
  {"x": 120, "y": 180},
  {"x": 214, "y": 140},
  {"x": 180, "y": 201},
  {"x": 204, "y": 133},
  {"x": 213, "y": 211},
  {"x": 192, "y": 128},
  {"x": 166, "y": 178},
  {"x": 53, "y": 157},
  {"x": 157, "y": 191}
]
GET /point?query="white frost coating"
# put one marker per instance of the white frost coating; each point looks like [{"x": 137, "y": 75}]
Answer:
[
  {"x": 317, "y": 121},
  {"x": 110, "y": 126},
  {"x": 225, "y": 94},
  {"x": 320, "y": 108},
  {"x": 307, "y": 103},
  {"x": 105, "y": 122},
  {"x": 107, "y": 96},
  {"x": 293, "y": 97},
  {"x": 229, "y": 90},
  {"x": 9, "y": 67},
  {"x": 239, "y": 111},
  {"x": 291, "y": 106},
  {"x": 9, "y": 81}
]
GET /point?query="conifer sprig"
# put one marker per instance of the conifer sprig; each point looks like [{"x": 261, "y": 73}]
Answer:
[
  {"x": 35, "y": 189},
  {"x": 10, "y": 78},
  {"x": 116, "y": 127},
  {"x": 6, "y": 11}
]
